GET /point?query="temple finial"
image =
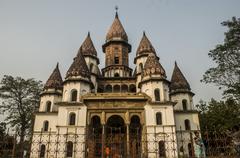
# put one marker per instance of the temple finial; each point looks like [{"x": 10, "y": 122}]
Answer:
[
  {"x": 175, "y": 63},
  {"x": 88, "y": 33},
  {"x": 116, "y": 9},
  {"x": 144, "y": 34},
  {"x": 57, "y": 64}
]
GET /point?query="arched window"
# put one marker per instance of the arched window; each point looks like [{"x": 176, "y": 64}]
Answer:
[
  {"x": 91, "y": 68},
  {"x": 69, "y": 149},
  {"x": 74, "y": 95},
  {"x": 95, "y": 125},
  {"x": 157, "y": 94},
  {"x": 159, "y": 118},
  {"x": 184, "y": 104},
  {"x": 72, "y": 118},
  {"x": 140, "y": 69},
  {"x": 116, "y": 75},
  {"x": 124, "y": 88},
  {"x": 187, "y": 124},
  {"x": 161, "y": 148},
  {"x": 116, "y": 56},
  {"x": 45, "y": 126},
  {"x": 100, "y": 88},
  {"x": 108, "y": 89},
  {"x": 116, "y": 88},
  {"x": 132, "y": 88},
  {"x": 48, "y": 106},
  {"x": 95, "y": 120},
  {"x": 42, "y": 151}
]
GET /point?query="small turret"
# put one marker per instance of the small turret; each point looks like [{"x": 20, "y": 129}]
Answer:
[
  {"x": 180, "y": 90},
  {"x": 154, "y": 81},
  {"x": 116, "y": 49},
  {"x": 52, "y": 92},
  {"x": 178, "y": 81},
  {"x": 77, "y": 82},
  {"x": 144, "y": 49},
  {"x": 89, "y": 53}
]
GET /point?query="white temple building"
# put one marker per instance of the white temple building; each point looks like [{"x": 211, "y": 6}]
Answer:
[{"x": 115, "y": 111}]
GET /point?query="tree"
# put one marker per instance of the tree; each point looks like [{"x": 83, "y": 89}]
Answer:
[
  {"x": 20, "y": 100},
  {"x": 2, "y": 130},
  {"x": 219, "y": 115},
  {"x": 226, "y": 74}
]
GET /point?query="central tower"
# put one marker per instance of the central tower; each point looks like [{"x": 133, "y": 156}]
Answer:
[{"x": 116, "y": 49}]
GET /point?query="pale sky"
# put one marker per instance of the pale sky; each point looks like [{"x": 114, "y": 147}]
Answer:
[{"x": 35, "y": 35}]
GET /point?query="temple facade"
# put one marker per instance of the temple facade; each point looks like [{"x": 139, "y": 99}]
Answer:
[{"x": 116, "y": 111}]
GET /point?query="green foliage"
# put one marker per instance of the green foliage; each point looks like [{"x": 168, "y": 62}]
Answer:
[
  {"x": 226, "y": 74},
  {"x": 20, "y": 100},
  {"x": 219, "y": 115}
]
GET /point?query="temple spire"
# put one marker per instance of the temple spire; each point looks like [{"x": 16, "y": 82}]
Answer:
[
  {"x": 55, "y": 79},
  {"x": 145, "y": 46},
  {"x": 116, "y": 31},
  {"x": 78, "y": 68},
  {"x": 178, "y": 81},
  {"x": 87, "y": 47}
]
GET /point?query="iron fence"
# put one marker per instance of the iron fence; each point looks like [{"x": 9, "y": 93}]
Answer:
[{"x": 151, "y": 142}]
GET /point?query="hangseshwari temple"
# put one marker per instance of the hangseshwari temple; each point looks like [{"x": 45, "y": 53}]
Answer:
[{"x": 116, "y": 111}]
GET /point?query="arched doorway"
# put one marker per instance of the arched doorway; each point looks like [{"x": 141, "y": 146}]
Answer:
[
  {"x": 116, "y": 136},
  {"x": 135, "y": 131},
  {"x": 95, "y": 138}
]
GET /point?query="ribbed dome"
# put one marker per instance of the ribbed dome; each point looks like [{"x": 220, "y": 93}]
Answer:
[
  {"x": 178, "y": 81},
  {"x": 145, "y": 46},
  {"x": 78, "y": 67},
  {"x": 153, "y": 66},
  {"x": 87, "y": 47},
  {"x": 55, "y": 80},
  {"x": 116, "y": 31}
]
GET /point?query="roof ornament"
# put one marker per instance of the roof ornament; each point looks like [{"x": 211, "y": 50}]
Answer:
[{"x": 116, "y": 9}]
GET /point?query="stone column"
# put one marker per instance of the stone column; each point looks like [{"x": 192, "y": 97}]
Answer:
[
  {"x": 103, "y": 121},
  {"x": 103, "y": 140},
  {"x": 128, "y": 133},
  {"x": 128, "y": 142}
]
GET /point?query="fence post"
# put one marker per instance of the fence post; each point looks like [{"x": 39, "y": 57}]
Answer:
[
  {"x": 40, "y": 142},
  {"x": 57, "y": 143},
  {"x": 75, "y": 142},
  {"x": 191, "y": 138},
  {"x": 174, "y": 142},
  {"x": 66, "y": 141},
  {"x": 49, "y": 141},
  {"x": 182, "y": 140}
]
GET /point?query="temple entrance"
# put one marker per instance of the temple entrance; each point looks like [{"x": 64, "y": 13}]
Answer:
[
  {"x": 94, "y": 143},
  {"x": 135, "y": 136},
  {"x": 115, "y": 141}
]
